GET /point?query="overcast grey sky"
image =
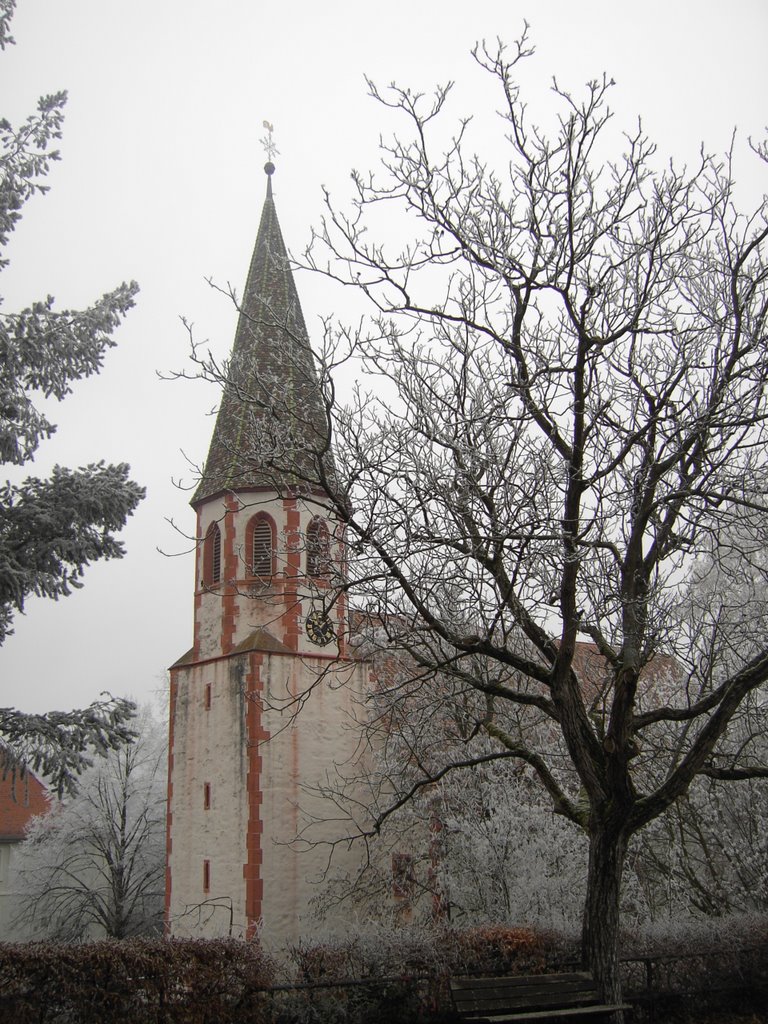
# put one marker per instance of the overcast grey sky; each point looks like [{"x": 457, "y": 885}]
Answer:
[{"x": 161, "y": 180}]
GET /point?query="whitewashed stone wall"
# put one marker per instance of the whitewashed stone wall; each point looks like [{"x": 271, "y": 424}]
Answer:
[{"x": 217, "y": 746}]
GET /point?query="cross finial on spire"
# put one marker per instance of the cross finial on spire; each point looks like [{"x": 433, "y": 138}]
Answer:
[
  {"x": 268, "y": 142},
  {"x": 271, "y": 150}
]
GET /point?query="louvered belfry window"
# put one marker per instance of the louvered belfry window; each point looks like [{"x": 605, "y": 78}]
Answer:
[
  {"x": 211, "y": 574},
  {"x": 263, "y": 544},
  {"x": 215, "y": 539},
  {"x": 318, "y": 549}
]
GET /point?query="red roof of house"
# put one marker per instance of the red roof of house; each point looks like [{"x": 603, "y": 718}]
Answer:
[{"x": 20, "y": 800}]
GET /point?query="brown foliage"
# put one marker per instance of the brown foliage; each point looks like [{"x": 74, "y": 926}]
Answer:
[
  {"x": 497, "y": 949},
  {"x": 392, "y": 976},
  {"x": 135, "y": 981}
]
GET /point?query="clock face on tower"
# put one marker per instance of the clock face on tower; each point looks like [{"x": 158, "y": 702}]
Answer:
[{"x": 319, "y": 628}]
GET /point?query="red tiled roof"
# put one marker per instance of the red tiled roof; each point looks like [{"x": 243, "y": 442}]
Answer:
[{"x": 20, "y": 800}]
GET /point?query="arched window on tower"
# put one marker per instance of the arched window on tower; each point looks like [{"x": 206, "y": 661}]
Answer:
[
  {"x": 260, "y": 545},
  {"x": 318, "y": 549},
  {"x": 212, "y": 556}
]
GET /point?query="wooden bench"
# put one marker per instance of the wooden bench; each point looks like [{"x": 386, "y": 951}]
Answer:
[{"x": 529, "y": 998}]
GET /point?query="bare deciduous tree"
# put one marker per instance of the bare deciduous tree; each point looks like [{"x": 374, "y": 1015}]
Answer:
[
  {"x": 95, "y": 866},
  {"x": 570, "y": 364}
]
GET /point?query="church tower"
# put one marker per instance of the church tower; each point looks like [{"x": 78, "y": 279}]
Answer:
[{"x": 258, "y": 704}]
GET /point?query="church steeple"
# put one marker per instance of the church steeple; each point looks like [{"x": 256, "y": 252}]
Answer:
[
  {"x": 270, "y": 624},
  {"x": 271, "y": 430}
]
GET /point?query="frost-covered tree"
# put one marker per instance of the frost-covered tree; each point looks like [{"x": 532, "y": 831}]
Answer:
[
  {"x": 60, "y": 745},
  {"x": 95, "y": 865},
  {"x": 708, "y": 854},
  {"x": 464, "y": 833},
  {"x": 476, "y": 847},
  {"x": 484, "y": 845},
  {"x": 51, "y": 529},
  {"x": 502, "y": 856},
  {"x": 571, "y": 403},
  {"x": 563, "y": 400}
]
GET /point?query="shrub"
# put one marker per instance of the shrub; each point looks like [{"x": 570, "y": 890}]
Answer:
[
  {"x": 498, "y": 950},
  {"x": 718, "y": 959},
  {"x": 415, "y": 963},
  {"x": 136, "y": 981}
]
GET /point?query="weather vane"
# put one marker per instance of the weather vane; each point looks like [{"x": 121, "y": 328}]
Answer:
[{"x": 268, "y": 142}]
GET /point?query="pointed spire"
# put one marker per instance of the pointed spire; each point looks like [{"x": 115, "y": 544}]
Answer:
[{"x": 271, "y": 428}]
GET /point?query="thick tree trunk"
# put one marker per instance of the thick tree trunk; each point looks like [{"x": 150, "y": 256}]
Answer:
[{"x": 600, "y": 931}]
